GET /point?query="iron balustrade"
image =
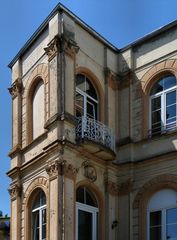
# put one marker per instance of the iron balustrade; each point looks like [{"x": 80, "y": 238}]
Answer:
[
  {"x": 91, "y": 129},
  {"x": 162, "y": 129}
]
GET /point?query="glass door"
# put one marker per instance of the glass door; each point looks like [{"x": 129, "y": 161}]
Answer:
[{"x": 86, "y": 222}]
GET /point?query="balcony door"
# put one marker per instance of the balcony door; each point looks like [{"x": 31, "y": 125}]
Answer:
[
  {"x": 86, "y": 215},
  {"x": 86, "y": 98}
]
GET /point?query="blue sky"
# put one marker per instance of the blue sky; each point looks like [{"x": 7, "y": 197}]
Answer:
[{"x": 119, "y": 21}]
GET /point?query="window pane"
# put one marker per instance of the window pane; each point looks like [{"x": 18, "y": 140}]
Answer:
[
  {"x": 155, "y": 233},
  {"x": 171, "y": 111},
  {"x": 40, "y": 200},
  {"x": 172, "y": 231},
  {"x": 90, "y": 199},
  {"x": 156, "y": 103},
  {"x": 155, "y": 225},
  {"x": 35, "y": 221},
  {"x": 80, "y": 82},
  {"x": 158, "y": 87},
  {"x": 79, "y": 105},
  {"x": 170, "y": 98},
  {"x": 156, "y": 116},
  {"x": 84, "y": 225},
  {"x": 169, "y": 82},
  {"x": 80, "y": 195},
  {"x": 90, "y": 90},
  {"x": 172, "y": 215},
  {"x": 155, "y": 218}
]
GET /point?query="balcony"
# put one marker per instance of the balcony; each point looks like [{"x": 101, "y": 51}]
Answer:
[{"x": 96, "y": 137}]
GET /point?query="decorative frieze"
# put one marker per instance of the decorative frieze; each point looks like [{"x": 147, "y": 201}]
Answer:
[
  {"x": 89, "y": 171},
  {"x": 16, "y": 88},
  {"x": 15, "y": 191}
]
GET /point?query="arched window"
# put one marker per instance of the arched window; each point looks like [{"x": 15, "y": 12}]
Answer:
[
  {"x": 162, "y": 215},
  {"x": 86, "y": 215},
  {"x": 38, "y": 110},
  {"x": 39, "y": 217},
  {"x": 86, "y": 98},
  {"x": 163, "y": 105}
]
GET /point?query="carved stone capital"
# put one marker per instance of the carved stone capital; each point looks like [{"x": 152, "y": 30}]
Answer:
[
  {"x": 53, "y": 168},
  {"x": 70, "y": 171},
  {"x": 16, "y": 88},
  {"x": 71, "y": 47},
  {"x": 52, "y": 48},
  {"x": 89, "y": 171},
  {"x": 15, "y": 191}
]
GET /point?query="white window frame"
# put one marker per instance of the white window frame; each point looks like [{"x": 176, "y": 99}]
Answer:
[
  {"x": 163, "y": 223},
  {"x": 161, "y": 94},
  {"x": 86, "y": 98},
  {"x": 94, "y": 211},
  {"x": 40, "y": 209}
]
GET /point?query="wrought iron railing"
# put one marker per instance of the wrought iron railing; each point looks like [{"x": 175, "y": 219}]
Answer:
[
  {"x": 91, "y": 129},
  {"x": 162, "y": 129}
]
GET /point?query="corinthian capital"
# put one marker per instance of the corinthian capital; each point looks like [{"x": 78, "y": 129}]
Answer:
[
  {"x": 15, "y": 190},
  {"x": 52, "y": 48},
  {"x": 16, "y": 88}
]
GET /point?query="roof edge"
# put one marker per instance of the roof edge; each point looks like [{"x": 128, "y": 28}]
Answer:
[
  {"x": 59, "y": 7},
  {"x": 150, "y": 35}
]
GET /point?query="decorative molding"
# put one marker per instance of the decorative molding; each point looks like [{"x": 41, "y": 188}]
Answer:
[
  {"x": 16, "y": 88},
  {"x": 15, "y": 150},
  {"x": 15, "y": 191},
  {"x": 52, "y": 48},
  {"x": 89, "y": 171}
]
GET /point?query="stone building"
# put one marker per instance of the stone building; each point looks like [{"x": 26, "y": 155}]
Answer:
[{"x": 94, "y": 135}]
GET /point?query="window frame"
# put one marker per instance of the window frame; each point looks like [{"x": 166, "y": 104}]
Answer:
[
  {"x": 163, "y": 221},
  {"x": 94, "y": 210},
  {"x": 39, "y": 209},
  {"x": 86, "y": 98},
  {"x": 164, "y": 126}
]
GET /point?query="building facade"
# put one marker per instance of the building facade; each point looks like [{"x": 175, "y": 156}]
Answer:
[{"x": 93, "y": 135}]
